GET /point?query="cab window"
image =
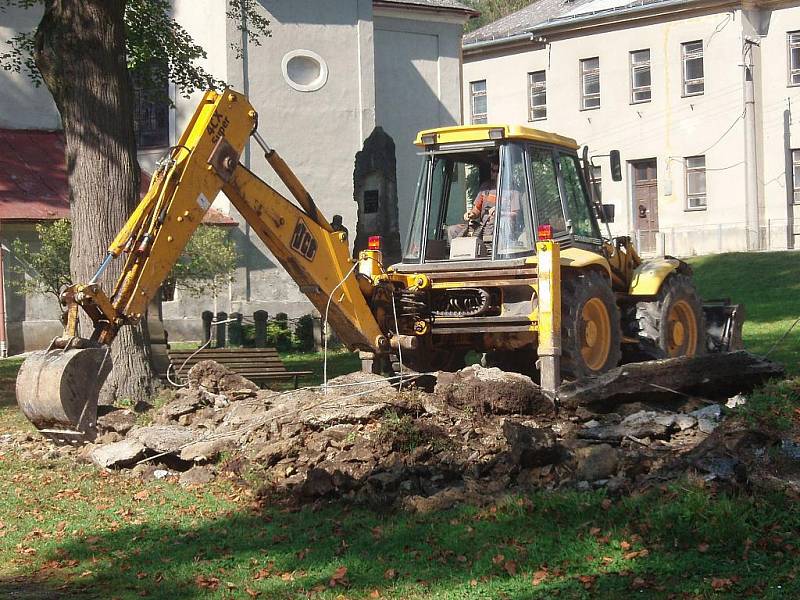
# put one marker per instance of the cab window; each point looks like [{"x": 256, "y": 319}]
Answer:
[
  {"x": 545, "y": 190},
  {"x": 575, "y": 198}
]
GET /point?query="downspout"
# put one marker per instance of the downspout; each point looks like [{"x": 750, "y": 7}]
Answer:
[{"x": 752, "y": 214}]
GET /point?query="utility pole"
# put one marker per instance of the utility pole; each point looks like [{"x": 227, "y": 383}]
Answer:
[{"x": 753, "y": 218}]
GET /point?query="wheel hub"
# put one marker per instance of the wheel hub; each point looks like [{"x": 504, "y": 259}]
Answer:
[
  {"x": 595, "y": 334},
  {"x": 682, "y": 330}
]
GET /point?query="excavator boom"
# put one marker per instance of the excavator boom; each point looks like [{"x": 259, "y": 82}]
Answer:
[{"x": 51, "y": 388}]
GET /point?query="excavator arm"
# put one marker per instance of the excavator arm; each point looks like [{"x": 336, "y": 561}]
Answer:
[{"x": 52, "y": 386}]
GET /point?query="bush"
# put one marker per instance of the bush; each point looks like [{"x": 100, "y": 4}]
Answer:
[{"x": 304, "y": 334}]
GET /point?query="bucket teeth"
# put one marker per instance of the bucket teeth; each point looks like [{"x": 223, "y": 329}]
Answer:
[{"x": 58, "y": 391}]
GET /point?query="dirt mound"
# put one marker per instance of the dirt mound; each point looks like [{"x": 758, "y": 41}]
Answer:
[{"x": 482, "y": 432}]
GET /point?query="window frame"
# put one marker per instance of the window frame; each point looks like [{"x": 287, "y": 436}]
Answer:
[
  {"x": 790, "y": 70},
  {"x": 795, "y": 180},
  {"x": 583, "y": 74},
  {"x": 532, "y": 86},
  {"x": 689, "y": 196},
  {"x": 483, "y": 120},
  {"x": 633, "y": 67},
  {"x": 684, "y": 59}
]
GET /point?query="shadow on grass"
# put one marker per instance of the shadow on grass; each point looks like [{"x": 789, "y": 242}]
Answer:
[{"x": 582, "y": 547}]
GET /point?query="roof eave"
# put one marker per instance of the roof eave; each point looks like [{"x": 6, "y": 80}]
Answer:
[
  {"x": 589, "y": 20},
  {"x": 468, "y": 12}
]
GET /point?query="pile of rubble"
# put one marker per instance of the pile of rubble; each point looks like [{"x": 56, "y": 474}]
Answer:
[{"x": 480, "y": 432}]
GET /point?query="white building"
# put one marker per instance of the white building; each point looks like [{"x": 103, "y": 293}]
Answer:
[
  {"x": 700, "y": 97},
  {"x": 332, "y": 71}
]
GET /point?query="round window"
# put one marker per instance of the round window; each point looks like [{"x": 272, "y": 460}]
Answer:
[{"x": 304, "y": 70}]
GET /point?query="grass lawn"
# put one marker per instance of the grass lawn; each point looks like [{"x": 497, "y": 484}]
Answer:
[
  {"x": 68, "y": 530},
  {"x": 768, "y": 284}
]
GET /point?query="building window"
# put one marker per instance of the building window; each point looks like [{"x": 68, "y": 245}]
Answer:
[
  {"x": 796, "y": 175},
  {"x": 151, "y": 105},
  {"x": 304, "y": 70},
  {"x": 597, "y": 178},
  {"x": 590, "y": 83},
  {"x": 696, "y": 182},
  {"x": 640, "y": 76},
  {"x": 537, "y": 96},
  {"x": 693, "y": 75},
  {"x": 479, "y": 104},
  {"x": 793, "y": 44}
]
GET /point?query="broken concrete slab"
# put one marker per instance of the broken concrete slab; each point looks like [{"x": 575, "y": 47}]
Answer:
[
  {"x": 197, "y": 475},
  {"x": 120, "y": 421},
  {"x": 117, "y": 454},
  {"x": 163, "y": 438},
  {"x": 596, "y": 462},
  {"x": 215, "y": 378},
  {"x": 529, "y": 446},
  {"x": 716, "y": 376},
  {"x": 205, "y": 450}
]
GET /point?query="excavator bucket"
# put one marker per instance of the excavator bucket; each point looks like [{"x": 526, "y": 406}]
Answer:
[{"x": 57, "y": 391}]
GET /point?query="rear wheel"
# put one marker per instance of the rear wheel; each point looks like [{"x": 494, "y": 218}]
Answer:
[
  {"x": 672, "y": 324},
  {"x": 590, "y": 325}
]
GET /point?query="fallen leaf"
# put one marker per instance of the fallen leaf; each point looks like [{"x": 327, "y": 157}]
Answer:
[
  {"x": 209, "y": 583},
  {"x": 721, "y": 583},
  {"x": 587, "y": 581},
  {"x": 625, "y": 545},
  {"x": 511, "y": 567},
  {"x": 389, "y": 574},
  {"x": 702, "y": 547},
  {"x": 606, "y": 503},
  {"x": 638, "y": 584},
  {"x": 287, "y": 576},
  {"x": 143, "y": 495},
  {"x": 539, "y": 576},
  {"x": 594, "y": 531},
  {"x": 473, "y": 582},
  {"x": 339, "y": 577},
  {"x": 251, "y": 592},
  {"x": 374, "y": 594},
  {"x": 498, "y": 560}
]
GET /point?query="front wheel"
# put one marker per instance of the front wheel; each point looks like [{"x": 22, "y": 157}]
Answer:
[
  {"x": 672, "y": 325},
  {"x": 590, "y": 325}
]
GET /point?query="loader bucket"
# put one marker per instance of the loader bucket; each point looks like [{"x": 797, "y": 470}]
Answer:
[{"x": 58, "y": 390}]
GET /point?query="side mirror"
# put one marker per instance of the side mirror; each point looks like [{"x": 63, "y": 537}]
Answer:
[
  {"x": 616, "y": 165},
  {"x": 607, "y": 215}
]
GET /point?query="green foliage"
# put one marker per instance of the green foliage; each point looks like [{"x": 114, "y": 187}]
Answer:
[
  {"x": 304, "y": 334},
  {"x": 207, "y": 263},
  {"x": 278, "y": 334},
  {"x": 491, "y": 10},
  {"x": 42, "y": 269},
  {"x": 774, "y": 406},
  {"x": 159, "y": 49}
]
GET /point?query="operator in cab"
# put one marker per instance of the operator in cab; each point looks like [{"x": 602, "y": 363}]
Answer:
[{"x": 483, "y": 207}]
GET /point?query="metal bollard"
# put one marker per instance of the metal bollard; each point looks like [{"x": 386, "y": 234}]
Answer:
[
  {"x": 235, "y": 332},
  {"x": 207, "y": 317},
  {"x": 221, "y": 329},
  {"x": 260, "y": 318},
  {"x": 549, "y": 255}
]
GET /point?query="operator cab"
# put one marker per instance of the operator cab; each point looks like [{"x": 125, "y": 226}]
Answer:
[{"x": 488, "y": 193}]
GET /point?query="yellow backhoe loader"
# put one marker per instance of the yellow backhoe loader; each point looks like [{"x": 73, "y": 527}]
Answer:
[{"x": 470, "y": 278}]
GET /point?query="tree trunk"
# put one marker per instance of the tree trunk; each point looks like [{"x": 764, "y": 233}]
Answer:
[{"x": 80, "y": 51}]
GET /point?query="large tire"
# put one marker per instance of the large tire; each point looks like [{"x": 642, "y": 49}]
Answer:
[
  {"x": 591, "y": 336},
  {"x": 672, "y": 324}
]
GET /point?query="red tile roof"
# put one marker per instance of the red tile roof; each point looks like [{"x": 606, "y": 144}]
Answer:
[{"x": 33, "y": 178}]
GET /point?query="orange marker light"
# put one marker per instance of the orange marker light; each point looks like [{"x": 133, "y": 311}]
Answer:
[
  {"x": 545, "y": 232},
  {"x": 374, "y": 242}
]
